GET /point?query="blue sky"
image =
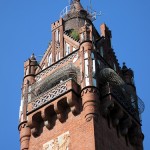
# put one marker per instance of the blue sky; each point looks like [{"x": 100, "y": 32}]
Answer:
[{"x": 25, "y": 28}]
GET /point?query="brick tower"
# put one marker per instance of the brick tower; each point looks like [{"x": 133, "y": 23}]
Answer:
[{"x": 78, "y": 97}]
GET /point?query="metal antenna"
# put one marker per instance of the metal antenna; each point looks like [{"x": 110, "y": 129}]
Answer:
[
  {"x": 90, "y": 4},
  {"x": 93, "y": 13}
]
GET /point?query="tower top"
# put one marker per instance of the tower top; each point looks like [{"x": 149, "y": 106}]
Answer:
[
  {"x": 76, "y": 6},
  {"x": 76, "y": 0}
]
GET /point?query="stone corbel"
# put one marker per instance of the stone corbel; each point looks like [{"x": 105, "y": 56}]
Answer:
[
  {"x": 45, "y": 119},
  {"x": 125, "y": 125},
  {"x": 72, "y": 102},
  {"x": 140, "y": 139},
  {"x": 136, "y": 137},
  {"x": 116, "y": 116},
  {"x": 34, "y": 125},
  {"x": 58, "y": 109},
  {"x": 34, "y": 131},
  {"x": 107, "y": 105}
]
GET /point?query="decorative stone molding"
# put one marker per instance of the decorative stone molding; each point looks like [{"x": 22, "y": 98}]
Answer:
[{"x": 90, "y": 89}]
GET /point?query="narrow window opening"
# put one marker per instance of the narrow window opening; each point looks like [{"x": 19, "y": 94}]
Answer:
[
  {"x": 67, "y": 49},
  {"x": 56, "y": 57},
  {"x": 115, "y": 68},
  {"x": 50, "y": 59},
  {"x": 57, "y": 36},
  {"x": 101, "y": 51}
]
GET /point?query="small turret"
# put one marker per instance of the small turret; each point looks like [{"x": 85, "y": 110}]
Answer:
[
  {"x": 128, "y": 74},
  {"x": 86, "y": 32},
  {"x": 106, "y": 33},
  {"x": 29, "y": 69},
  {"x": 29, "y": 78}
]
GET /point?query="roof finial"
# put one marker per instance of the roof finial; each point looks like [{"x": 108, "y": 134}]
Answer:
[
  {"x": 32, "y": 57},
  {"x": 124, "y": 67}
]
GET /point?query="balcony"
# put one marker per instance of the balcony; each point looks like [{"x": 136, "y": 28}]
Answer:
[
  {"x": 132, "y": 104},
  {"x": 57, "y": 91}
]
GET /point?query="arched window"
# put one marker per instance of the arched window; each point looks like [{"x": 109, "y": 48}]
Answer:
[
  {"x": 57, "y": 35},
  {"x": 67, "y": 48}
]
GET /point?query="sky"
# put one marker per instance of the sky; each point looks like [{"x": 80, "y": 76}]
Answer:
[{"x": 25, "y": 27}]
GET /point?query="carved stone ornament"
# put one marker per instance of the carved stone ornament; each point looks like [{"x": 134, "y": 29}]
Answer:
[
  {"x": 53, "y": 93},
  {"x": 59, "y": 143}
]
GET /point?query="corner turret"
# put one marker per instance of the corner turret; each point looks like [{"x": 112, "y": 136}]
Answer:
[
  {"x": 29, "y": 69},
  {"x": 128, "y": 75}
]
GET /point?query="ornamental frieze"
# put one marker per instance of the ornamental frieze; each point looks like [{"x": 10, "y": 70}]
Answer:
[{"x": 59, "y": 143}]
